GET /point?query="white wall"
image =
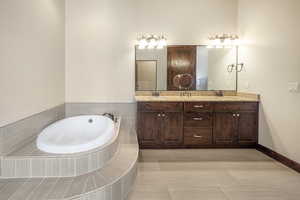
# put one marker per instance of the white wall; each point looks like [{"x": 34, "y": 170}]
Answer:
[
  {"x": 272, "y": 57},
  {"x": 101, "y": 35},
  {"x": 31, "y": 57},
  {"x": 100, "y": 50},
  {"x": 188, "y": 21}
]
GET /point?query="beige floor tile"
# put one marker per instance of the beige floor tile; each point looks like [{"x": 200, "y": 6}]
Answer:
[
  {"x": 148, "y": 166},
  {"x": 182, "y": 178},
  {"x": 230, "y": 174},
  {"x": 275, "y": 178},
  {"x": 150, "y": 178},
  {"x": 198, "y": 193},
  {"x": 226, "y": 155},
  {"x": 258, "y": 193},
  {"x": 219, "y": 165},
  {"x": 149, "y": 192},
  {"x": 155, "y": 155}
]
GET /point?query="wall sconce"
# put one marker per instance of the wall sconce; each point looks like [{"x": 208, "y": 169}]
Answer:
[
  {"x": 223, "y": 41},
  {"x": 152, "y": 41}
]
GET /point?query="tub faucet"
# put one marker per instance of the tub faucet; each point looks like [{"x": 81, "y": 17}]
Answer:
[{"x": 110, "y": 115}]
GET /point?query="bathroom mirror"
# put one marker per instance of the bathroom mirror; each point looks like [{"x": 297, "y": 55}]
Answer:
[{"x": 185, "y": 67}]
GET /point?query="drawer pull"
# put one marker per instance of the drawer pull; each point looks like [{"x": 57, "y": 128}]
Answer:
[
  {"x": 198, "y": 106},
  {"x": 197, "y": 136},
  {"x": 198, "y": 118}
]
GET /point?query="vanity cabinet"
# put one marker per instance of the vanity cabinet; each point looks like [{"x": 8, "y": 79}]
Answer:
[
  {"x": 160, "y": 125},
  {"x": 149, "y": 128},
  {"x": 171, "y": 129},
  {"x": 224, "y": 128},
  {"x": 197, "y": 124},
  {"x": 236, "y": 124}
]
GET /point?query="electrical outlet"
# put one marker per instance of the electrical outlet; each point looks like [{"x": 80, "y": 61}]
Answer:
[
  {"x": 247, "y": 85},
  {"x": 293, "y": 87}
]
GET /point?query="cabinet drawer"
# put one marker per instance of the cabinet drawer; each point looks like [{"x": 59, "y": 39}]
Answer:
[
  {"x": 236, "y": 106},
  {"x": 160, "y": 107},
  {"x": 198, "y": 107},
  {"x": 198, "y": 136},
  {"x": 198, "y": 119}
]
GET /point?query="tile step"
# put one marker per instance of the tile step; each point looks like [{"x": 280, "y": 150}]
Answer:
[
  {"x": 112, "y": 182},
  {"x": 30, "y": 162}
]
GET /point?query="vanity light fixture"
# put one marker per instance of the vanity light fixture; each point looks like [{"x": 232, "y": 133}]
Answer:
[
  {"x": 152, "y": 41},
  {"x": 223, "y": 41}
]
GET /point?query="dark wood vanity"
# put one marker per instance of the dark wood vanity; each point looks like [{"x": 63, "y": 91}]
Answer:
[{"x": 197, "y": 124}]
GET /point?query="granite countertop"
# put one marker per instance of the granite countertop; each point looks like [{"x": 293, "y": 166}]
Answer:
[{"x": 196, "y": 98}]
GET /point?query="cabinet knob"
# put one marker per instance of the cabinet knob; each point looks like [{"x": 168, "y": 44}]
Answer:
[
  {"x": 198, "y": 106},
  {"x": 197, "y": 136},
  {"x": 238, "y": 115},
  {"x": 198, "y": 118},
  {"x": 159, "y": 115},
  {"x": 163, "y": 115},
  {"x": 234, "y": 115}
]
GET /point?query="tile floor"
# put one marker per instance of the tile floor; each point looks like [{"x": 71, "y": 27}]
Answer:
[{"x": 213, "y": 174}]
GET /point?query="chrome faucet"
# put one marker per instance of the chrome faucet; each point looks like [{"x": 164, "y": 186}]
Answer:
[
  {"x": 111, "y": 116},
  {"x": 185, "y": 93},
  {"x": 219, "y": 93}
]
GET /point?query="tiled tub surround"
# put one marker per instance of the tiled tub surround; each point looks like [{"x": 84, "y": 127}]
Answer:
[
  {"x": 29, "y": 161},
  {"x": 17, "y": 134},
  {"x": 112, "y": 182},
  {"x": 127, "y": 110}
]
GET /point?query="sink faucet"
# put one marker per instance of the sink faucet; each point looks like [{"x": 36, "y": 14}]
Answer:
[
  {"x": 185, "y": 93},
  {"x": 155, "y": 93},
  {"x": 219, "y": 93}
]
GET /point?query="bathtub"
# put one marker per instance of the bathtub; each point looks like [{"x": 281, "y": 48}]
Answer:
[{"x": 76, "y": 134}]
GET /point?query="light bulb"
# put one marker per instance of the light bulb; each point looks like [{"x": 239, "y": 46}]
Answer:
[
  {"x": 236, "y": 42},
  {"x": 227, "y": 42},
  {"x": 228, "y": 46},
  {"x": 141, "y": 46},
  {"x": 159, "y": 46},
  {"x": 143, "y": 42},
  {"x": 162, "y": 43},
  {"x": 152, "y": 42}
]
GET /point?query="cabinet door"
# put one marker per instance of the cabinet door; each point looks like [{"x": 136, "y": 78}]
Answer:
[
  {"x": 224, "y": 128},
  {"x": 172, "y": 129},
  {"x": 247, "y": 128},
  {"x": 149, "y": 129}
]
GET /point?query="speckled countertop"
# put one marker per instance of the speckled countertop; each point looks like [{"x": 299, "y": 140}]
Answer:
[{"x": 242, "y": 97}]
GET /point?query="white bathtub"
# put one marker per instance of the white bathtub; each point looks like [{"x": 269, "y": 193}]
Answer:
[{"x": 76, "y": 134}]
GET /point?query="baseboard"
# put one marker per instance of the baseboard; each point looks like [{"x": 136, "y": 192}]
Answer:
[{"x": 280, "y": 158}]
